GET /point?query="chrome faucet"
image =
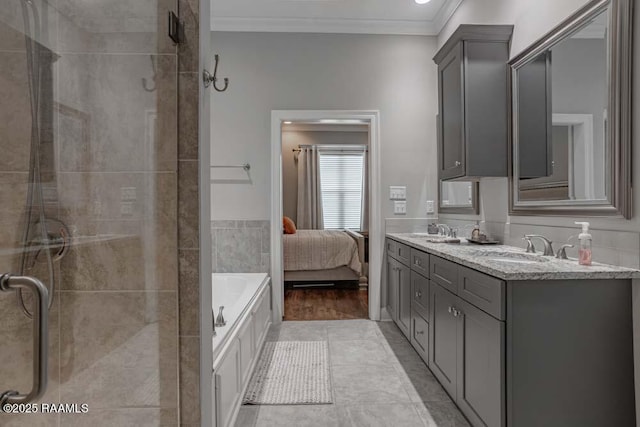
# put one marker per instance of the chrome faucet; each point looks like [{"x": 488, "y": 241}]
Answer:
[
  {"x": 444, "y": 229},
  {"x": 220, "y": 319},
  {"x": 562, "y": 252},
  {"x": 548, "y": 248},
  {"x": 530, "y": 248}
]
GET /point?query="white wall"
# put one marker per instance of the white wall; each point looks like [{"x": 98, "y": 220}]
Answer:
[{"x": 272, "y": 71}]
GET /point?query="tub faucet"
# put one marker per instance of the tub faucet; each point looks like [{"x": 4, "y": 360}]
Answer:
[
  {"x": 220, "y": 319},
  {"x": 213, "y": 316}
]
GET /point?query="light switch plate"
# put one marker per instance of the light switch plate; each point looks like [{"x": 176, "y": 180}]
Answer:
[
  {"x": 430, "y": 207},
  {"x": 398, "y": 192},
  {"x": 400, "y": 208}
]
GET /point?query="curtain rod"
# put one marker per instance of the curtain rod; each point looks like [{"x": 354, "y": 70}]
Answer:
[{"x": 332, "y": 147}]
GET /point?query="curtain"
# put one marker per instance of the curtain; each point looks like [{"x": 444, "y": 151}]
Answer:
[
  {"x": 309, "y": 192},
  {"x": 364, "y": 226}
]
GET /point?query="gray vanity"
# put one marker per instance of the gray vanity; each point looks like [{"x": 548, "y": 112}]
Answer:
[{"x": 517, "y": 339}]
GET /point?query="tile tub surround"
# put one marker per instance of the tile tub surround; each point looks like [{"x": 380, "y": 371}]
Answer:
[
  {"x": 481, "y": 258},
  {"x": 390, "y": 386},
  {"x": 241, "y": 246}
]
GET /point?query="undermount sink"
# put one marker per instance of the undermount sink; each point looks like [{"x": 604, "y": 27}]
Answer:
[
  {"x": 514, "y": 257},
  {"x": 519, "y": 261},
  {"x": 435, "y": 238}
]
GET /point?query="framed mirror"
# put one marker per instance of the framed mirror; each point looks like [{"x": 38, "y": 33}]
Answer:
[
  {"x": 458, "y": 197},
  {"x": 571, "y": 117}
]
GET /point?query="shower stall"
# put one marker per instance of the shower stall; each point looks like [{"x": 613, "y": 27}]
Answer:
[{"x": 88, "y": 202}]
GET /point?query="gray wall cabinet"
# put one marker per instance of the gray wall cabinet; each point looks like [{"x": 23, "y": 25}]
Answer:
[{"x": 473, "y": 102}]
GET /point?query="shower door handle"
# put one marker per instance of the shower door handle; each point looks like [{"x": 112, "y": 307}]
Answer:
[{"x": 9, "y": 283}]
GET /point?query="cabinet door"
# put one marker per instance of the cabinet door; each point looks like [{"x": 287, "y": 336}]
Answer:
[
  {"x": 535, "y": 149},
  {"x": 451, "y": 150},
  {"x": 392, "y": 287},
  {"x": 443, "y": 341},
  {"x": 404, "y": 300},
  {"x": 480, "y": 391}
]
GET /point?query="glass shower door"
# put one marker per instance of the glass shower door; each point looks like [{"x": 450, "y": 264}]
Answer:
[{"x": 88, "y": 190}]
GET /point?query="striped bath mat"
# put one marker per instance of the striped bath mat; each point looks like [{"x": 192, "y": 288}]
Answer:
[{"x": 291, "y": 373}]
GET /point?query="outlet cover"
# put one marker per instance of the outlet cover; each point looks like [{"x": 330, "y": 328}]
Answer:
[
  {"x": 400, "y": 208},
  {"x": 397, "y": 192},
  {"x": 430, "y": 207}
]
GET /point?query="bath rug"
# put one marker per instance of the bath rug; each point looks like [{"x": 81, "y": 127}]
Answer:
[{"x": 291, "y": 373}]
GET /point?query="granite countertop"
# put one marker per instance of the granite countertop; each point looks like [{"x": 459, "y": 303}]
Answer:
[{"x": 512, "y": 263}]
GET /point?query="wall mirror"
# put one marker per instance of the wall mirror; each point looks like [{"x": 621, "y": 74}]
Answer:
[
  {"x": 571, "y": 123},
  {"x": 458, "y": 197}
]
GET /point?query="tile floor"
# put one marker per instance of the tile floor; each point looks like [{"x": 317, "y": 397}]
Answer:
[{"x": 378, "y": 381}]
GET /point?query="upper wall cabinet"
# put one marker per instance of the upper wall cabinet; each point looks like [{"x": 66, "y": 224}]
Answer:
[{"x": 472, "y": 94}]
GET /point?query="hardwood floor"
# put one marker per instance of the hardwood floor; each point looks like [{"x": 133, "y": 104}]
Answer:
[{"x": 325, "y": 304}]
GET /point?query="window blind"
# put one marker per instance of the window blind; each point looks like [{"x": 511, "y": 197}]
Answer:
[{"x": 341, "y": 184}]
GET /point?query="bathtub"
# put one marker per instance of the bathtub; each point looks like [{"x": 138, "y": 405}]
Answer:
[{"x": 246, "y": 298}]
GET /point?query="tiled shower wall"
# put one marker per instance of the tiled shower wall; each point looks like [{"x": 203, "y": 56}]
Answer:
[
  {"x": 188, "y": 215},
  {"x": 241, "y": 246}
]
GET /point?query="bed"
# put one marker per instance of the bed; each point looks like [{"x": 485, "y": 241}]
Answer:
[{"x": 323, "y": 257}]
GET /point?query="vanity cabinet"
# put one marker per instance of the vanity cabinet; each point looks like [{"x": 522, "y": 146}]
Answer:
[
  {"x": 466, "y": 352},
  {"x": 408, "y": 293},
  {"x": 399, "y": 294},
  {"x": 473, "y": 102},
  {"x": 539, "y": 346}
]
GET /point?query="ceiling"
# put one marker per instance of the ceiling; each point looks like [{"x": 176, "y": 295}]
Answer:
[{"x": 332, "y": 16}]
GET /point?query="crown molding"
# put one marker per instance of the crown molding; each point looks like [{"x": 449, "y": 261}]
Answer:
[
  {"x": 323, "y": 25},
  {"x": 338, "y": 26}
]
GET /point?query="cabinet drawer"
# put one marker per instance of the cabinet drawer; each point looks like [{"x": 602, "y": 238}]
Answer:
[
  {"x": 420, "y": 294},
  {"x": 420, "y": 262},
  {"x": 399, "y": 251},
  {"x": 420, "y": 336},
  {"x": 485, "y": 292},
  {"x": 444, "y": 273}
]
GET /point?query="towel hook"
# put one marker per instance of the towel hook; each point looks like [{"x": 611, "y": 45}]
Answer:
[{"x": 208, "y": 78}]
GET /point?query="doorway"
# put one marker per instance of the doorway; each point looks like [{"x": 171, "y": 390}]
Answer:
[
  {"x": 326, "y": 213},
  {"x": 311, "y": 283}
]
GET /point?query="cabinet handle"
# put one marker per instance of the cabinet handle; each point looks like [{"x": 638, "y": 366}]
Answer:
[
  {"x": 456, "y": 313},
  {"x": 417, "y": 262},
  {"x": 450, "y": 309},
  {"x": 458, "y": 163},
  {"x": 419, "y": 332}
]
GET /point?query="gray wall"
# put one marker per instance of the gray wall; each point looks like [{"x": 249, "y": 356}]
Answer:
[
  {"x": 272, "y": 71},
  {"x": 290, "y": 141}
]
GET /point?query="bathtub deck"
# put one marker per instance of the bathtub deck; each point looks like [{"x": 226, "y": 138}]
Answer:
[{"x": 325, "y": 304}]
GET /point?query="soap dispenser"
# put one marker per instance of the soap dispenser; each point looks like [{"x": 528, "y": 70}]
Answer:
[{"x": 584, "y": 253}]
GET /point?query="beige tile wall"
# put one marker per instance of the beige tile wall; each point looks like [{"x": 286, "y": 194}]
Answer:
[{"x": 188, "y": 214}]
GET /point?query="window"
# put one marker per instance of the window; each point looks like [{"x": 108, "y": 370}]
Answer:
[{"x": 341, "y": 183}]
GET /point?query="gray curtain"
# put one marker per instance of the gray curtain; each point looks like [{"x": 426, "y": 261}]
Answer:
[
  {"x": 364, "y": 226},
  {"x": 309, "y": 193}
]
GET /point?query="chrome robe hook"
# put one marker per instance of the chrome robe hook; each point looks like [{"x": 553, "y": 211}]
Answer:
[{"x": 208, "y": 78}]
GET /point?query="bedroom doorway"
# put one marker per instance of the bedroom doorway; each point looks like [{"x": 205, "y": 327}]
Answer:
[{"x": 324, "y": 225}]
